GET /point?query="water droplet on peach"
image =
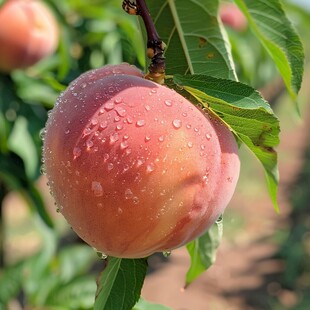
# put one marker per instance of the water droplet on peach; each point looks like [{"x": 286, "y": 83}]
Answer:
[
  {"x": 140, "y": 123},
  {"x": 168, "y": 103},
  {"x": 89, "y": 144},
  {"x": 120, "y": 111},
  {"x": 114, "y": 137},
  {"x": 177, "y": 124},
  {"x": 76, "y": 152},
  {"x": 97, "y": 189},
  {"x": 124, "y": 145},
  {"x": 150, "y": 167},
  {"x": 109, "y": 105},
  {"x": 128, "y": 193}
]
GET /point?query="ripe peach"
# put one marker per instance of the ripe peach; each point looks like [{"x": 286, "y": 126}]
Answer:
[
  {"x": 232, "y": 17},
  {"x": 28, "y": 33},
  {"x": 135, "y": 167}
]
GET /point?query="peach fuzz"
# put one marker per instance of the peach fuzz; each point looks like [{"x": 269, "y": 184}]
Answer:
[
  {"x": 134, "y": 167},
  {"x": 28, "y": 33}
]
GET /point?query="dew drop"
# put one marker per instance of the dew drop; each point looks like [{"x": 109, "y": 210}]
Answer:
[
  {"x": 67, "y": 131},
  {"x": 188, "y": 126},
  {"x": 114, "y": 137},
  {"x": 119, "y": 127},
  {"x": 177, "y": 124},
  {"x": 124, "y": 145},
  {"x": 125, "y": 137},
  {"x": 83, "y": 85},
  {"x": 103, "y": 125},
  {"x": 135, "y": 200},
  {"x": 110, "y": 166},
  {"x": 140, "y": 123},
  {"x": 117, "y": 118},
  {"x": 184, "y": 114},
  {"x": 94, "y": 121},
  {"x": 208, "y": 136},
  {"x": 120, "y": 111},
  {"x": 147, "y": 108},
  {"x": 167, "y": 253},
  {"x": 128, "y": 193},
  {"x": 76, "y": 152},
  {"x": 101, "y": 111},
  {"x": 140, "y": 162},
  {"x": 101, "y": 255},
  {"x": 129, "y": 120},
  {"x": 106, "y": 156},
  {"x": 205, "y": 179},
  {"x": 118, "y": 100},
  {"x": 97, "y": 188},
  {"x": 43, "y": 170},
  {"x": 109, "y": 105},
  {"x": 168, "y": 103},
  {"x": 202, "y": 146},
  {"x": 190, "y": 144},
  {"x": 86, "y": 131},
  {"x": 89, "y": 144},
  {"x": 147, "y": 138},
  {"x": 161, "y": 139},
  {"x": 42, "y": 133},
  {"x": 150, "y": 167},
  {"x": 128, "y": 151}
]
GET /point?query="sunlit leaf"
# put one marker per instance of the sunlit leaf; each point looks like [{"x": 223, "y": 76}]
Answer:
[
  {"x": 275, "y": 31},
  {"x": 196, "y": 42},
  {"x": 246, "y": 113},
  {"x": 203, "y": 251}
]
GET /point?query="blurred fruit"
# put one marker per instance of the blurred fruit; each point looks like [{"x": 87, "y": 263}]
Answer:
[
  {"x": 232, "y": 16},
  {"x": 28, "y": 33}
]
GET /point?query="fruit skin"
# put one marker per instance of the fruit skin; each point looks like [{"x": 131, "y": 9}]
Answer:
[
  {"x": 134, "y": 166},
  {"x": 28, "y": 33},
  {"x": 232, "y": 17}
]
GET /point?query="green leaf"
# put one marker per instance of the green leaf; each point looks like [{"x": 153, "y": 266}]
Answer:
[
  {"x": 203, "y": 251},
  {"x": 12, "y": 173},
  {"x": 10, "y": 283},
  {"x": 75, "y": 260},
  {"x": 196, "y": 42},
  {"x": 145, "y": 305},
  {"x": 77, "y": 294},
  {"x": 120, "y": 284},
  {"x": 246, "y": 113},
  {"x": 274, "y": 30},
  {"x": 22, "y": 144}
]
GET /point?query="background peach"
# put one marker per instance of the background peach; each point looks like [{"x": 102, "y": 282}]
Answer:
[{"x": 28, "y": 33}]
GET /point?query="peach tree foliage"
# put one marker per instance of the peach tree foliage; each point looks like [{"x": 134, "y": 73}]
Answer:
[{"x": 199, "y": 66}]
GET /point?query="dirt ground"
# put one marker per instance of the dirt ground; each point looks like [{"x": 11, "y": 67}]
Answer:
[{"x": 246, "y": 274}]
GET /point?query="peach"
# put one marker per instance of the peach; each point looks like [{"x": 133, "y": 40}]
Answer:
[
  {"x": 135, "y": 167},
  {"x": 232, "y": 17},
  {"x": 28, "y": 33}
]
